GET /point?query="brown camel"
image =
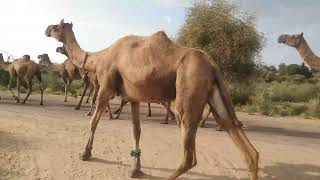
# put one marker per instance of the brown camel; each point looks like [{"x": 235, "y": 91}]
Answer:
[
  {"x": 297, "y": 41},
  {"x": 67, "y": 70},
  {"x": 19, "y": 69},
  {"x": 89, "y": 80},
  {"x": 154, "y": 69},
  {"x": 85, "y": 80}
]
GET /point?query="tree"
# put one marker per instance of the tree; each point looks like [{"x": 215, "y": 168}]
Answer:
[{"x": 227, "y": 34}]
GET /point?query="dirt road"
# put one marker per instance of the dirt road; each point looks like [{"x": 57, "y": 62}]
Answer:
[{"x": 45, "y": 142}]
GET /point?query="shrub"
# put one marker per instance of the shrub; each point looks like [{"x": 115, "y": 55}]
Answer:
[
  {"x": 313, "y": 108},
  {"x": 293, "y": 92}
]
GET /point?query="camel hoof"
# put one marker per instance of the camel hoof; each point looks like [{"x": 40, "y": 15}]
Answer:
[
  {"x": 164, "y": 122},
  {"x": 85, "y": 156},
  {"x": 202, "y": 125},
  {"x": 23, "y": 102},
  {"x": 88, "y": 114},
  {"x": 41, "y": 104},
  {"x": 149, "y": 115},
  {"x": 76, "y": 108},
  {"x": 136, "y": 173},
  {"x": 65, "y": 101},
  {"x": 219, "y": 128}
]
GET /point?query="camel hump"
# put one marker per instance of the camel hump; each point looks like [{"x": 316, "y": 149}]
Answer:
[
  {"x": 161, "y": 39},
  {"x": 26, "y": 57},
  {"x": 161, "y": 35}
]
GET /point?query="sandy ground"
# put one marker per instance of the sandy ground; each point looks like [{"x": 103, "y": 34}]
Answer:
[{"x": 44, "y": 143}]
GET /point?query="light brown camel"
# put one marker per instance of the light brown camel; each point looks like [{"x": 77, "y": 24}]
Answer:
[
  {"x": 86, "y": 81},
  {"x": 297, "y": 41},
  {"x": 66, "y": 70},
  {"x": 20, "y": 69},
  {"x": 89, "y": 80},
  {"x": 154, "y": 69}
]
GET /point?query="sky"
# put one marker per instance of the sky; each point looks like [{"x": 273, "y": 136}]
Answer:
[{"x": 98, "y": 23}]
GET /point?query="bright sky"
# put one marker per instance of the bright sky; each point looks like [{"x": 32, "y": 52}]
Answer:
[{"x": 98, "y": 23}]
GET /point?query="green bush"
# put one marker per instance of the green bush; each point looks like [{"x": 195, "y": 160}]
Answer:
[
  {"x": 313, "y": 108},
  {"x": 262, "y": 100},
  {"x": 241, "y": 93},
  {"x": 293, "y": 92}
]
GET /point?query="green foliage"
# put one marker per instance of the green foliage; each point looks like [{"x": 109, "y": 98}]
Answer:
[
  {"x": 4, "y": 77},
  {"x": 293, "y": 92},
  {"x": 241, "y": 93},
  {"x": 313, "y": 108},
  {"x": 227, "y": 34},
  {"x": 293, "y": 69},
  {"x": 262, "y": 100}
]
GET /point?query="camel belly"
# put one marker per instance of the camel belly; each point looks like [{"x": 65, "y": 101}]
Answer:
[{"x": 150, "y": 90}]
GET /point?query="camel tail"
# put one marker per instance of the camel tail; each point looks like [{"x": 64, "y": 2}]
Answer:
[{"x": 222, "y": 94}]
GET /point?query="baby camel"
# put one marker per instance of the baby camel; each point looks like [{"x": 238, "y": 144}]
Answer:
[
  {"x": 154, "y": 69},
  {"x": 23, "y": 68}
]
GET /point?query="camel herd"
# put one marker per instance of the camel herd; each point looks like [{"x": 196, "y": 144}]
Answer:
[{"x": 149, "y": 69}]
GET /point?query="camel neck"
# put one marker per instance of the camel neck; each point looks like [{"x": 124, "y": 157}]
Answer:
[
  {"x": 307, "y": 55},
  {"x": 78, "y": 56}
]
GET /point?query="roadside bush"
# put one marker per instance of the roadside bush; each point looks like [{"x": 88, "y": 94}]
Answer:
[
  {"x": 241, "y": 93},
  {"x": 313, "y": 108},
  {"x": 293, "y": 92},
  {"x": 262, "y": 100}
]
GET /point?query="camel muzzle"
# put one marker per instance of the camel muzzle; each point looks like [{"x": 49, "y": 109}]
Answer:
[
  {"x": 281, "y": 38},
  {"x": 48, "y": 30}
]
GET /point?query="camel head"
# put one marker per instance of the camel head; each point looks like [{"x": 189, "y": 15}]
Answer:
[
  {"x": 44, "y": 59},
  {"x": 62, "y": 50},
  {"x": 58, "y": 31},
  {"x": 291, "y": 40}
]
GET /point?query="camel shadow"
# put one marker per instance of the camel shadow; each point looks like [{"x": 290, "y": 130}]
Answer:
[
  {"x": 200, "y": 176},
  {"x": 272, "y": 172},
  {"x": 283, "y": 132}
]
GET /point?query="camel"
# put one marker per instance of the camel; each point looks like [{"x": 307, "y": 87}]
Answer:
[
  {"x": 297, "y": 41},
  {"x": 23, "y": 68},
  {"x": 154, "y": 69},
  {"x": 85, "y": 80},
  {"x": 89, "y": 80},
  {"x": 67, "y": 70}
]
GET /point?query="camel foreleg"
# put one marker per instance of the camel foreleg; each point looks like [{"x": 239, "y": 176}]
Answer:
[
  {"x": 136, "y": 131},
  {"x": 149, "y": 110},
  {"x": 102, "y": 103},
  {"x": 85, "y": 87}
]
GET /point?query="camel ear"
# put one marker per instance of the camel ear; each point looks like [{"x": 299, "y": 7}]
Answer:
[
  {"x": 62, "y": 23},
  {"x": 301, "y": 34},
  {"x": 71, "y": 25}
]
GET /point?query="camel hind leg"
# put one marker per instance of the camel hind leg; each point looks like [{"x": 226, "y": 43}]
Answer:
[
  {"x": 190, "y": 100},
  {"x": 29, "y": 83},
  {"x": 89, "y": 95},
  {"x": 10, "y": 88}
]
